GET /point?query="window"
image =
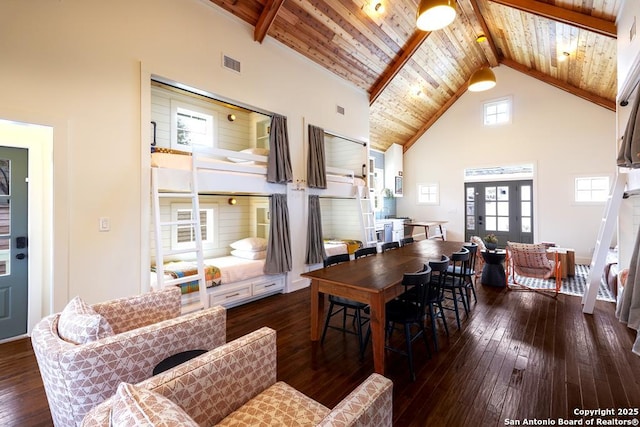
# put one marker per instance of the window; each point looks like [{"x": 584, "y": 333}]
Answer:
[
  {"x": 428, "y": 194},
  {"x": 592, "y": 189},
  {"x": 183, "y": 236},
  {"x": 191, "y": 126},
  {"x": 497, "y": 112}
]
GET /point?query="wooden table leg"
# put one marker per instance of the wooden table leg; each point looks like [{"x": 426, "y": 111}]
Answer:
[
  {"x": 377, "y": 321},
  {"x": 317, "y": 310}
]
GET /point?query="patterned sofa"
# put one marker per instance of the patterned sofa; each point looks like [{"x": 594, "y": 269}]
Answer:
[
  {"x": 143, "y": 330},
  {"x": 235, "y": 384}
]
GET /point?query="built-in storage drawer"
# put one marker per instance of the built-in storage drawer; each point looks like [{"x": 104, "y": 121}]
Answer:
[
  {"x": 273, "y": 285},
  {"x": 228, "y": 296}
]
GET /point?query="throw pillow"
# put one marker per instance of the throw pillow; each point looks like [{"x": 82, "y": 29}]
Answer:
[
  {"x": 249, "y": 254},
  {"x": 137, "y": 406},
  {"x": 254, "y": 244},
  {"x": 80, "y": 324}
]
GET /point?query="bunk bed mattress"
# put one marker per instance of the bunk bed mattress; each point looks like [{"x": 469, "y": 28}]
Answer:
[
  {"x": 235, "y": 269},
  {"x": 170, "y": 161},
  {"x": 219, "y": 271},
  {"x": 335, "y": 245},
  {"x": 335, "y": 248}
]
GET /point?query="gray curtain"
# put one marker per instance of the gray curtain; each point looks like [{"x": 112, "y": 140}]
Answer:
[
  {"x": 279, "y": 243},
  {"x": 629, "y": 154},
  {"x": 279, "y": 161},
  {"x": 315, "y": 246},
  {"x": 628, "y": 307},
  {"x": 316, "y": 163}
]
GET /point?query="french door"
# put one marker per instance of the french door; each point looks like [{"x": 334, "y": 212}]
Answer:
[
  {"x": 503, "y": 208},
  {"x": 13, "y": 242}
]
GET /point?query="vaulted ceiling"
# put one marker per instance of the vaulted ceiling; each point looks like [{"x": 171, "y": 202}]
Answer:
[{"x": 414, "y": 76}]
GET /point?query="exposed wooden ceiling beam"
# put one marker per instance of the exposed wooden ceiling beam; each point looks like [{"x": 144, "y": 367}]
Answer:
[
  {"x": 576, "y": 19},
  {"x": 598, "y": 100},
  {"x": 268, "y": 15},
  {"x": 434, "y": 118},
  {"x": 493, "y": 59},
  {"x": 394, "y": 68}
]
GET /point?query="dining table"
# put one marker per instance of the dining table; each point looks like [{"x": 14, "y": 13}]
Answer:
[{"x": 373, "y": 280}]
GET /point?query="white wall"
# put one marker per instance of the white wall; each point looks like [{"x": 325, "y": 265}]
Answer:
[
  {"x": 88, "y": 63},
  {"x": 563, "y": 135}
]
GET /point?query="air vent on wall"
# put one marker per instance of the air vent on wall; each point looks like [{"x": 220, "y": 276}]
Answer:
[
  {"x": 340, "y": 110},
  {"x": 230, "y": 64}
]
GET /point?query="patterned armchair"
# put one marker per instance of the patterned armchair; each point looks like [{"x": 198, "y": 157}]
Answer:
[
  {"x": 235, "y": 384},
  {"x": 140, "y": 332},
  {"x": 531, "y": 260}
]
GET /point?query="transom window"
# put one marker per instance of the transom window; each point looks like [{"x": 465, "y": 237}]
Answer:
[
  {"x": 497, "y": 112},
  {"x": 592, "y": 189},
  {"x": 183, "y": 236}
]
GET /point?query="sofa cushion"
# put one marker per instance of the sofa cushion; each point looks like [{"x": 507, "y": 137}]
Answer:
[
  {"x": 278, "y": 405},
  {"x": 137, "y": 406},
  {"x": 80, "y": 324}
]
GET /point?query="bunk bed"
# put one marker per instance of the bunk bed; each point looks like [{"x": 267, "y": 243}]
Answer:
[
  {"x": 236, "y": 274},
  {"x": 341, "y": 206}
]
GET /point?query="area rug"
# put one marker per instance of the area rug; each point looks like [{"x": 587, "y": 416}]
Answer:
[{"x": 572, "y": 285}]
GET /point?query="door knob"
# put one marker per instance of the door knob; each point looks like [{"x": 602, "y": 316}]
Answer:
[{"x": 20, "y": 256}]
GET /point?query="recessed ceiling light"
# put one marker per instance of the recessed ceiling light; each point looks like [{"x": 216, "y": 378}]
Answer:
[{"x": 481, "y": 38}]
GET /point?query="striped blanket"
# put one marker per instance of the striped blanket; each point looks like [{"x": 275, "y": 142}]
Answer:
[{"x": 179, "y": 269}]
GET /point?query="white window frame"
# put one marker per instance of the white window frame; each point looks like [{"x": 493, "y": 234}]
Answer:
[
  {"x": 588, "y": 189},
  {"x": 210, "y": 116},
  {"x": 506, "y": 101},
  {"x": 209, "y": 241},
  {"x": 433, "y": 193}
]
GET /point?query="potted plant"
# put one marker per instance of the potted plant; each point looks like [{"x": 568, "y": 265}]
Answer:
[{"x": 491, "y": 242}]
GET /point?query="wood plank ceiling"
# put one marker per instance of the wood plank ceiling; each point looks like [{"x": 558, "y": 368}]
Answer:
[{"x": 413, "y": 76}]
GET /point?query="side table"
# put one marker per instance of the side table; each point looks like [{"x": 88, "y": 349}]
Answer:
[{"x": 493, "y": 271}]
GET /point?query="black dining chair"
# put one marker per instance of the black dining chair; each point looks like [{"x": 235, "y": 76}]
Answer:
[
  {"x": 455, "y": 284},
  {"x": 470, "y": 272},
  {"x": 389, "y": 246},
  {"x": 359, "y": 253},
  {"x": 406, "y": 241},
  {"x": 409, "y": 314},
  {"x": 434, "y": 298},
  {"x": 343, "y": 305}
]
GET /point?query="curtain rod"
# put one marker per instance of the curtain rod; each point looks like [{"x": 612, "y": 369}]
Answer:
[
  {"x": 234, "y": 194},
  {"x": 630, "y": 85},
  {"x": 337, "y": 197},
  {"x": 346, "y": 138}
]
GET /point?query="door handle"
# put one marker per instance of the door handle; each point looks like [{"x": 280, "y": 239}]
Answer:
[{"x": 21, "y": 256}]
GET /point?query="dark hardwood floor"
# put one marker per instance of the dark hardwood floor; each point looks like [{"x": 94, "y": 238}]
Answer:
[{"x": 519, "y": 355}]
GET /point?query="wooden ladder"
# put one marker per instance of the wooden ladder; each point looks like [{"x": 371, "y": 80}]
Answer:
[
  {"x": 195, "y": 250},
  {"x": 367, "y": 219},
  {"x": 605, "y": 234}
]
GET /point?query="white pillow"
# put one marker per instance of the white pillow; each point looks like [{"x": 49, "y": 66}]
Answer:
[
  {"x": 249, "y": 254},
  {"x": 137, "y": 406},
  {"x": 254, "y": 244},
  {"x": 80, "y": 324},
  {"x": 255, "y": 150}
]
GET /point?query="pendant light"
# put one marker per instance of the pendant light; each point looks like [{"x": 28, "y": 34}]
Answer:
[
  {"x": 483, "y": 79},
  {"x": 435, "y": 14}
]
